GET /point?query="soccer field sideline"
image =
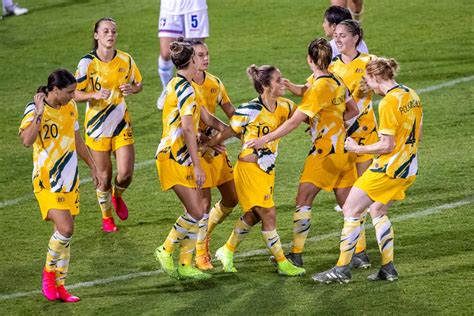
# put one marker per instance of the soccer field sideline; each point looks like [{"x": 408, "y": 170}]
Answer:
[
  {"x": 423, "y": 213},
  {"x": 142, "y": 164}
]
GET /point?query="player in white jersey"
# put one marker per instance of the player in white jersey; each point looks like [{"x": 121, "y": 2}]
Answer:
[{"x": 178, "y": 18}]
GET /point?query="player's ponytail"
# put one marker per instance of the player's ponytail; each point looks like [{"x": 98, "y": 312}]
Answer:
[
  {"x": 384, "y": 68},
  {"x": 95, "y": 43},
  {"x": 261, "y": 76},
  {"x": 181, "y": 53},
  {"x": 60, "y": 78},
  {"x": 354, "y": 28},
  {"x": 320, "y": 53}
]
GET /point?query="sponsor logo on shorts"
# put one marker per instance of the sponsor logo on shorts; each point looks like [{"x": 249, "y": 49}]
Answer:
[
  {"x": 189, "y": 177},
  {"x": 267, "y": 197},
  {"x": 162, "y": 22},
  {"x": 61, "y": 199}
]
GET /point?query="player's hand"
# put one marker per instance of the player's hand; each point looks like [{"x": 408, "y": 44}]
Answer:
[
  {"x": 256, "y": 143},
  {"x": 219, "y": 148},
  {"x": 286, "y": 82},
  {"x": 95, "y": 177},
  {"x": 39, "y": 103},
  {"x": 351, "y": 145},
  {"x": 103, "y": 94},
  {"x": 199, "y": 176},
  {"x": 127, "y": 89}
]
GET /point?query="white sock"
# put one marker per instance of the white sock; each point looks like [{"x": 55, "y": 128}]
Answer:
[{"x": 165, "y": 70}]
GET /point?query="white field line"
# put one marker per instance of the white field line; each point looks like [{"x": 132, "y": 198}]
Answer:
[
  {"x": 140, "y": 165},
  {"x": 400, "y": 218}
]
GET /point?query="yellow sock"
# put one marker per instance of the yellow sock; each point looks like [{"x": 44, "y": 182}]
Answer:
[
  {"x": 117, "y": 191},
  {"x": 361, "y": 242},
  {"x": 349, "y": 236},
  {"x": 201, "y": 248},
  {"x": 62, "y": 265},
  {"x": 241, "y": 229},
  {"x": 180, "y": 230},
  {"x": 56, "y": 245},
  {"x": 217, "y": 215},
  {"x": 187, "y": 246},
  {"x": 301, "y": 226},
  {"x": 384, "y": 233},
  {"x": 273, "y": 242},
  {"x": 105, "y": 203}
]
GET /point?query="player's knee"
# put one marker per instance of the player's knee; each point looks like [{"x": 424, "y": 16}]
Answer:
[
  {"x": 230, "y": 201},
  {"x": 66, "y": 230}
]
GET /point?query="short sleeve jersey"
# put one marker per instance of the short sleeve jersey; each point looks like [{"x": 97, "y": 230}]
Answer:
[
  {"x": 401, "y": 115},
  {"x": 54, "y": 150},
  {"x": 253, "y": 120},
  {"x": 180, "y": 101},
  {"x": 211, "y": 93},
  {"x": 352, "y": 74},
  {"x": 105, "y": 118},
  {"x": 324, "y": 103}
]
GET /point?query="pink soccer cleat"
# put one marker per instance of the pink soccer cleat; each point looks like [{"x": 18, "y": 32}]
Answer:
[
  {"x": 49, "y": 285},
  {"x": 108, "y": 225},
  {"x": 120, "y": 207},
  {"x": 65, "y": 296}
]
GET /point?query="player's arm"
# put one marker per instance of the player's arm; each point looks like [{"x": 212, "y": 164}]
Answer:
[
  {"x": 385, "y": 145},
  {"x": 295, "y": 89},
  {"x": 225, "y": 131},
  {"x": 30, "y": 133},
  {"x": 228, "y": 109},
  {"x": 190, "y": 140},
  {"x": 81, "y": 96},
  {"x": 131, "y": 88},
  {"x": 288, "y": 126},
  {"x": 351, "y": 111},
  {"x": 85, "y": 154}
]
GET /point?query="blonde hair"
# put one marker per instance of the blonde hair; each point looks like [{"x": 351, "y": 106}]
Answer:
[
  {"x": 261, "y": 76},
  {"x": 384, "y": 68}
]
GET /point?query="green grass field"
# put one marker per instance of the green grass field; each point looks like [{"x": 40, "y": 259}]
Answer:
[{"x": 432, "y": 40}]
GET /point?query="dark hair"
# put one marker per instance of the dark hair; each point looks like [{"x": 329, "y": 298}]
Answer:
[
  {"x": 95, "y": 43},
  {"x": 385, "y": 68},
  {"x": 336, "y": 14},
  {"x": 195, "y": 42},
  {"x": 354, "y": 28},
  {"x": 320, "y": 52},
  {"x": 60, "y": 78},
  {"x": 261, "y": 76},
  {"x": 181, "y": 52}
]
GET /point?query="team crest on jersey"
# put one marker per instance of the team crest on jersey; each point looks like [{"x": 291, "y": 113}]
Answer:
[
  {"x": 162, "y": 22},
  {"x": 71, "y": 113},
  {"x": 359, "y": 70},
  {"x": 122, "y": 70},
  {"x": 213, "y": 90}
]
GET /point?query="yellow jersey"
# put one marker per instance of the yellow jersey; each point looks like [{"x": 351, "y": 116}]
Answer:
[
  {"x": 105, "y": 118},
  {"x": 180, "y": 101},
  {"x": 54, "y": 150},
  {"x": 352, "y": 74},
  {"x": 324, "y": 103},
  {"x": 253, "y": 120},
  {"x": 401, "y": 115}
]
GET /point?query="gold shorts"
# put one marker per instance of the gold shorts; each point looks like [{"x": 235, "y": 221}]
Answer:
[
  {"x": 47, "y": 200},
  {"x": 218, "y": 170},
  {"x": 329, "y": 172},
  {"x": 172, "y": 173},
  {"x": 382, "y": 188},
  {"x": 253, "y": 185}
]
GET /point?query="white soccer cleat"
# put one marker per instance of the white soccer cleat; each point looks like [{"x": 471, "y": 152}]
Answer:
[
  {"x": 15, "y": 9},
  {"x": 160, "y": 103}
]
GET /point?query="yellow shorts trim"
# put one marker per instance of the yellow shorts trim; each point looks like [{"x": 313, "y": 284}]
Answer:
[
  {"x": 218, "y": 170},
  {"x": 68, "y": 201},
  {"x": 172, "y": 173},
  {"x": 254, "y": 186},
  {"x": 329, "y": 172},
  {"x": 382, "y": 188}
]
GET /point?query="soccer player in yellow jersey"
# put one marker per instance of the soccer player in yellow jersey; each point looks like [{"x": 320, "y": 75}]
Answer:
[
  {"x": 219, "y": 172},
  {"x": 178, "y": 163},
  {"x": 327, "y": 104},
  {"x": 254, "y": 173},
  {"x": 105, "y": 77},
  {"x": 50, "y": 125},
  {"x": 392, "y": 172}
]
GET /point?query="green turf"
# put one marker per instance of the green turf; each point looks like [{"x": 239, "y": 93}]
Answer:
[{"x": 434, "y": 255}]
